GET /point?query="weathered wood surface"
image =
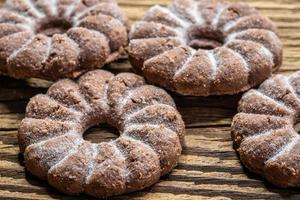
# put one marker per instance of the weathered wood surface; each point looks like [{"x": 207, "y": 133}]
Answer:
[{"x": 208, "y": 168}]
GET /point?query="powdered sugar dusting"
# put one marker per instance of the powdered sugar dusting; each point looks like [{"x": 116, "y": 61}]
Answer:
[
  {"x": 122, "y": 157},
  {"x": 91, "y": 163},
  {"x": 78, "y": 16},
  {"x": 73, "y": 151},
  {"x": 125, "y": 136},
  {"x": 197, "y": 15},
  {"x": 216, "y": 19},
  {"x": 138, "y": 112},
  {"x": 290, "y": 87},
  {"x": 143, "y": 126},
  {"x": 133, "y": 127},
  {"x": 267, "y": 133},
  {"x": 17, "y": 51},
  {"x": 185, "y": 65},
  {"x": 53, "y": 7},
  {"x": 233, "y": 23},
  {"x": 75, "y": 44},
  {"x": 124, "y": 99},
  {"x": 214, "y": 64},
  {"x": 171, "y": 15},
  {"x": 49, "y": 47},
  {"x": 231, "y": 37},
  {"x": 71, "y": 8},
  {"x": 262, "y": 50},
  {"x": 286, "y": 148},
  {"x": 240, "y": 58},
  {"x": 78, "y": 115},
  {"x": 33, "y": 8},
  {"x": 137, "y": 26},
  {"x": 266, "y": 53},
  {"x": 277, "y": 103},
  {"x": 43, "y": 142}
]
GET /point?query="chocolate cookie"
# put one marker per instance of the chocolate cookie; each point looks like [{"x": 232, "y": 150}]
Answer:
[
  {"x": 265, "y": 132},
  {"x": 51, "y": 39},
  {"x": 205, "y": 47},
  {"x": 151, "y": 132}
]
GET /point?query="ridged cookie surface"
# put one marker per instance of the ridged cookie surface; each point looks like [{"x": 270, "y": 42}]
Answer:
[
  {"x": 51, "y": 39},
  {"x": 265, "y": 132},
  {"x": 205, "y": 47},
  {"x": 151, "y": 132}
]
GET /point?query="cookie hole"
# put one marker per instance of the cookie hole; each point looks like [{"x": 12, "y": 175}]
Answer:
[
  {"x": 53, "y": 26},
  {"x": 205, "y": 38},
  {"x": 101, "y": 133}
]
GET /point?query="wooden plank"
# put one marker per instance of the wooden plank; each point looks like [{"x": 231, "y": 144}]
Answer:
[{"x": 209, "y": 167}]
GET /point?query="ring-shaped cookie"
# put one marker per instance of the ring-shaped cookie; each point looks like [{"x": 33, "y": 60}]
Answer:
[
  {"x": 51, "y": 39},
  {"x": 265, "y": 132},
  {"x": 205, "y": 47},
  {"x": 151, "y": 132}
]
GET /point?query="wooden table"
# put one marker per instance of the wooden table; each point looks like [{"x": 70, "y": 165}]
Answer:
[{"x": 208, "y": 168}]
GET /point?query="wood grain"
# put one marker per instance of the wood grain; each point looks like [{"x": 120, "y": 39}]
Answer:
[{"x": 208, "y": 169}]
